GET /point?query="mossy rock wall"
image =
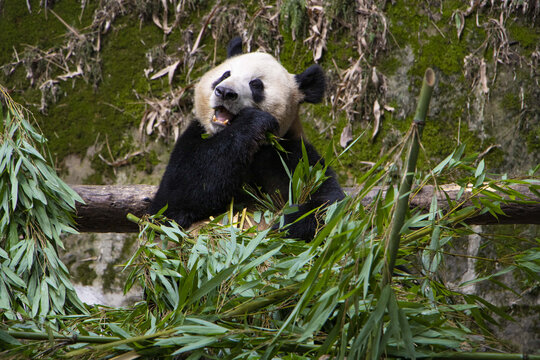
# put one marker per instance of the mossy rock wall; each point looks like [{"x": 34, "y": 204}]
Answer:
[{"x": 85, "y": 71}]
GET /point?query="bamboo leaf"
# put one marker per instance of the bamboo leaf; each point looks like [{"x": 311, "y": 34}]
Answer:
[
  {"x": 5, "y": 338},
  {"x": 201, "y": 343},
  {"x": 8, "y": 274},
  {"x": 328, "y": 303},
  {"x": 4, "y": 296},
  {"x": 203, "y": 328},
  {"x": 117, "y": 330},
  {"x": 211, "y": 284},
  {"x": 256, "y": 262},
  {"x": 44, "y": 298},
  {"x": 480, "y": 169}
]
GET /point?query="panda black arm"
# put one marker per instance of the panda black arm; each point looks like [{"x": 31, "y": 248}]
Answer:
[
  {"x": 203, "y": 174},
  {"x": 270, "y": 175},
  {"x": 329, "y": 192}
]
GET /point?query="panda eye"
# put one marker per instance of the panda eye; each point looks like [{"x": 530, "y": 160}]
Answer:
[
  {"x": 225, "y": 75},
  {"x": 256, "y": 84},
  {"x": 257, "y": 90}
]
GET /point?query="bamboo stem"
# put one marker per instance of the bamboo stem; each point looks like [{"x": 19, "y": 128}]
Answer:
[
  {"x": 139, "y": 221},
  {"x": 405, "y": 188},
  {"x": 260, "y": 303},
  {"x": 74, "y": 339},
  {"x": 112, "y": 344},
  {"x": 483, "y": 356}
]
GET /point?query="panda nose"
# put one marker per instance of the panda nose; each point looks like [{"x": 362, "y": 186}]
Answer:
[{"x": 225, "y": 93}]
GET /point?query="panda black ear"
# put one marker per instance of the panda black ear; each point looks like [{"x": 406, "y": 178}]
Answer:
[
  {"x": 312, "y": 84},
  {"x": 235, "y": 47}
]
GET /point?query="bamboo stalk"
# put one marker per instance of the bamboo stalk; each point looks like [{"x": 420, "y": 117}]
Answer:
[
  {"x": 261, "y": 302},
  {"x": 26, "y": 335},
  {"x": 139, "y": 221},
  {"x": 405, "y": 188},
  {"x": 111, "y": 344},
  {"x": 112, "y": 341},
  {"x": 483, "y": 356},
  {"x": 453, "y": 221}
]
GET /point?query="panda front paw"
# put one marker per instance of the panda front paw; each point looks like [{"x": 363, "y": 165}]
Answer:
[
  {"x": 183, "y": 219},
  {"x": 261, "y": 121},
  {"x": 304, "y": 228}
]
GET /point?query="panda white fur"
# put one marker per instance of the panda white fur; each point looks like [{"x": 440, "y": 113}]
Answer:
[{"x": 236, "y": 104}]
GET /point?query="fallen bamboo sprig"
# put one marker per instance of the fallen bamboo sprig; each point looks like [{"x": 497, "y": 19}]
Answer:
[
  {"x": 154, "y": 227},
  {"x": 261, "y": 302},
  {"x": 112, "y": 344},
  {"x": 27, "y": 335}
]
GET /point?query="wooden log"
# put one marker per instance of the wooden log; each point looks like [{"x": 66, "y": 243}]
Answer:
[{"x": 106, "y": 206}]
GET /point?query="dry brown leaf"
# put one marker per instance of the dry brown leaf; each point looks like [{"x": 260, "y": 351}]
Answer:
[
  {"x": 346, "y": 136},
  {"x": 377, "y": 118},
  {"x": 71, "y": 74},
  {"x": 167, "y": 70}
]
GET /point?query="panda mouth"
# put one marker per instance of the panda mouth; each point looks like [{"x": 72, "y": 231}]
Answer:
[{"x": 222, "y": 116}]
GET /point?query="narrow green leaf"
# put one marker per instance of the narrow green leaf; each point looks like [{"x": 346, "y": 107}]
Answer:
[
  {"x": 14, "y": 279},
  {"x": 203, "y": 342},
  {"x": 8, "y": 339},
  {"x": 117, "y": 330},
  {"x": 211, "y": 284},
  {"x": 479, "y": 169},
  {"x": 5, "y": 302},
  {"x": 45, "y": 305}
]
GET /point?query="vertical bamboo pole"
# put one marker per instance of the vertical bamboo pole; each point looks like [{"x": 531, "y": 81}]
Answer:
[{"x": 405, "y": 187}]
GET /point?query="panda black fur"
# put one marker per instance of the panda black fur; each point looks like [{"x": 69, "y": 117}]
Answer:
[{"x": 236, "y": 104}]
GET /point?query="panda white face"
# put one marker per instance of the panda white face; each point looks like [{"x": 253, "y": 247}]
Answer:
[{"x": 249, "y": 80}]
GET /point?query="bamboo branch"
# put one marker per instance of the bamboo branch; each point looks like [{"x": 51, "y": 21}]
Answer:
[
  {"x": 26, "y": 335},
  {"x": 259, "y": 303},
  {"x": 405, "y": 188}
]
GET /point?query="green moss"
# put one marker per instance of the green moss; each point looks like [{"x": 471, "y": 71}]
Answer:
[
  {"x": 19, "y": 27},
  {"x": 405, "y": 21},
  {"x": 389, "y": 65},
  {"x": 84, "y": 115},
  {"x": 437, "y": 52},
  {"x": 527, "y": 37},
  {"x": 434, "y": 44},
  {"x": 339, "y": 50},
  {"x": 440, "y": 137},
  {"x": 112, "y": 277},
  {"x": 295, "y": 56},
  {"x": 146, "y": 162},
  {"x": 533, "y": 141},
  {"x": 85, "y": 274},
  {"x": 347, "y": 166},
  {"x": 293, "y": 17},
  {"x": 511, "y": 101}
]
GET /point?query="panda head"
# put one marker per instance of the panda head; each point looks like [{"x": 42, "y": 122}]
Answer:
[{"x": 255, "y": 80}]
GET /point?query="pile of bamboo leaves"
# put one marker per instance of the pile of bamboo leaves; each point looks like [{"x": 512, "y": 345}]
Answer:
[
  {"x": 36, "y": 207},
  {"x": 228, "y": 290}
]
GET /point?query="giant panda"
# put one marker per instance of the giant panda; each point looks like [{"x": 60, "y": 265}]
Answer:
[{"x": 236, "y": 104}]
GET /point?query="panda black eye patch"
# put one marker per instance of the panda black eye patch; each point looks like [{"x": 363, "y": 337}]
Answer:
[
  {"x": 225, "y": 75},
  {"x": 257, "y": 90}
]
